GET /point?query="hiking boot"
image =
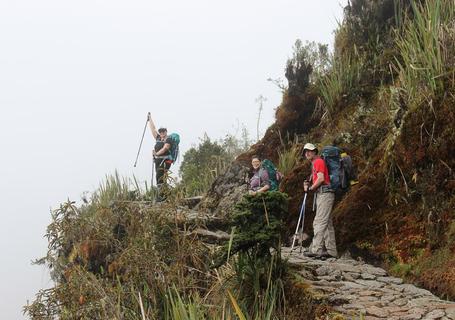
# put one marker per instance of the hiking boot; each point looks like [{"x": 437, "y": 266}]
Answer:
[
  {"x": 310, "y": 254},
  {"x": 324, "y": 255}
]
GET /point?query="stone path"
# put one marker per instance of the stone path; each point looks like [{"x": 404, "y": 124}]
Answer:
[{"x": 360, "y": 291}]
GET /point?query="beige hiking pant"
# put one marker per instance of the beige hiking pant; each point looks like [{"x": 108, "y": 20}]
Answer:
[{"x": 324, "y": 233}]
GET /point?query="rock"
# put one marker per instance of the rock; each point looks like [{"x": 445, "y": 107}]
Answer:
[
  {"x": 370, "y": 283},
  {"x": 306, "y": 274},
  {"x": 401, "y": 302},
  {"x": 398, "y": 288},
  {"x": 351, "y": 285},
  {"x": 409, "y": 288},
  {"x": 388, "y": 298},
  {"x": 420, "y": 302},
  {"x": 367, "y": 276},
  {"x": 450, "y": 312},
  {"x": 347, "y": 268},
  {"x": 349, "y": 276},
  {"x": 435, "y": 314},
  {"x": 417, "y": 312},
  {"x": 396, "y": 310},
  {"x": 369, "y": 293},
  {"x": 390, "y": 280},
  {"x": 411, "y": 316},
  {"x": 367, "y": 299},
  {"x": 330, "y": 278},
  {"x": 377, "y": 312},
  {"x": 226, "y": 190},
  {"x": 323, "y": 270},
  {"x": 373, "y": 270}
]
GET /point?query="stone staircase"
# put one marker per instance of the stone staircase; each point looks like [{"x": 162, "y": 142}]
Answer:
[{"x": 357, "y": 290}]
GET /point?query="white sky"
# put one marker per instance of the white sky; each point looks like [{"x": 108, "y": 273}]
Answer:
[{"x": 78, "y": 77}]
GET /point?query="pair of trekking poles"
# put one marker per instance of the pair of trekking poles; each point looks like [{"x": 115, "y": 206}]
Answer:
[{"x": 300, "y": 224}]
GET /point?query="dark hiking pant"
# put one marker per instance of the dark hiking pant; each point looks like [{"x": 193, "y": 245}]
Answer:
[{"x": 161, "y": 167}]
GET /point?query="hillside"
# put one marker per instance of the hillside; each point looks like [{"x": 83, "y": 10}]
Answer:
[
  {"x": 386, "y": 96},
  {"x": 388, "y": 99}
]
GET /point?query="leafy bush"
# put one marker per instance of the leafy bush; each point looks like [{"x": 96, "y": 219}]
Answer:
[{"x": 203, "y": 163}]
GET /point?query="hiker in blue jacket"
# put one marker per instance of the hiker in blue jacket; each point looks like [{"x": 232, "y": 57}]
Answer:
[
  {"x": 260, "y": 181},
  {"x": 161, "y": 152}
]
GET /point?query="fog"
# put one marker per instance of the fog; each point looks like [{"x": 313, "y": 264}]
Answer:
[{"x": 77, "y": 79}]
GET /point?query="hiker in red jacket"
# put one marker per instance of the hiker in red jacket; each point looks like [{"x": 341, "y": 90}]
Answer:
[{"x": 323, "y": 244}]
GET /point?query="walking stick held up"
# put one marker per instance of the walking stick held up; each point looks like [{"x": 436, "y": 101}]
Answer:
[{"x": 142, "y": 139}]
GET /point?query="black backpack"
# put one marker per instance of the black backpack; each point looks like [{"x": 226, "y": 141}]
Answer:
[{"x": 341, "y": 171}]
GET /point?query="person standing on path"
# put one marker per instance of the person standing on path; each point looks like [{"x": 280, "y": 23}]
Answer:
[{"x": 323, "y": 244}]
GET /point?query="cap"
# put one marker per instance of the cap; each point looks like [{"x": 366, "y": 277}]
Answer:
[{"x": 309, "y": 146}]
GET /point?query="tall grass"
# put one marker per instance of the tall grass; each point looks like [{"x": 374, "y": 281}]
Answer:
[
  {"x": 424, "y": 55},
  {"x": 112, "y": 188},
  {"x": 343, "y": 76},
  {"x": 288, "y": 158}
]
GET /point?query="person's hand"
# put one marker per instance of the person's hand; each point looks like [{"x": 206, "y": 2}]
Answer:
[
  {"x": 252, "y": 193},
  {"x": 306, "y": 186},
  {"x": 149, "y": 116}
]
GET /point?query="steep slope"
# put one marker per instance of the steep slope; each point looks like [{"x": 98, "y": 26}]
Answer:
[{"x": 388, "y": 99}]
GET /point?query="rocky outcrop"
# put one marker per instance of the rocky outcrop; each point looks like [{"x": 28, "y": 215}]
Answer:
[{"x": 226, "y": 191}]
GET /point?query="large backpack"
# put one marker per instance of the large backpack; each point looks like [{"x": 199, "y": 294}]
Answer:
[
  {"x": 274, "y": 175},
  {"x": 341, "y": 171},
  {"x": 174, "y": 151}
]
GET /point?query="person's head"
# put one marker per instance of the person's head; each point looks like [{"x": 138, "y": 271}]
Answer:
[
  {"x": 310, "y": 151},
  {"x": 163, "y": 133},
  {"x": 256, "y": 162}
]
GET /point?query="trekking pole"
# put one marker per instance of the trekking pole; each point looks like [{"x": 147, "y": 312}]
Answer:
[
  {"x": 153, "y": 170},
  {"x": 140, "y": 145},
  {"x": 301, "y": 219}
]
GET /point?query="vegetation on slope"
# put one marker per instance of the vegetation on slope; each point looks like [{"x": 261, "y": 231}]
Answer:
[
  {"x": 117, "y": 256},
  {"x": 387, "y": 98}
]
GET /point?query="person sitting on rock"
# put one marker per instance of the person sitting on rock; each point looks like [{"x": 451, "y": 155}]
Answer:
[{"x": 260, "y": 181}]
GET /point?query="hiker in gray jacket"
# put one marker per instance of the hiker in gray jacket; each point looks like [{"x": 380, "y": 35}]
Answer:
[{"x": 260, "y": 181}]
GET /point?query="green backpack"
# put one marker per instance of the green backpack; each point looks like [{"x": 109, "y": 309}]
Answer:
[
  {"x": 174, "y": 151},
  {"x": 275, "y": 176}
]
